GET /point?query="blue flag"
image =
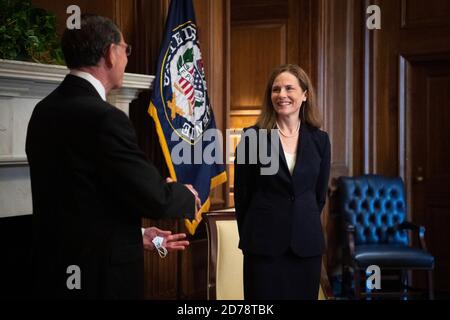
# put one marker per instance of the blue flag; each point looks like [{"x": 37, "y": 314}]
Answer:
[{"x": 182, "y": 112}]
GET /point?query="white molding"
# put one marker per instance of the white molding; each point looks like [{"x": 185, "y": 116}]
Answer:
[
  {"x": 13, "y": 160},
  {"x": 23, "y": 84},
  {"x": 34, "y": 80}
]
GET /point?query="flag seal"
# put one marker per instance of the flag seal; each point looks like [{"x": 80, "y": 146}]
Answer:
[{"x": 183, "y": 85}]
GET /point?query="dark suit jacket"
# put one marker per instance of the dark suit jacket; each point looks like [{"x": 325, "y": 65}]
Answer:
[
  {"x": 278, "y": 212},
  {"x": 91, "y": 185}
]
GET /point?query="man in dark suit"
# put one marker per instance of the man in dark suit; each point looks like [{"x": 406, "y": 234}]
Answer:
[{"x": 91, "y": 185}]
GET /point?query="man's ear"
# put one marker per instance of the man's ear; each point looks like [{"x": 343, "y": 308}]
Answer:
[{"x": 110, "y": 58}]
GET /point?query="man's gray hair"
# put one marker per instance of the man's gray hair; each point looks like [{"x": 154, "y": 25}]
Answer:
[{"x": 85, "y": 46}]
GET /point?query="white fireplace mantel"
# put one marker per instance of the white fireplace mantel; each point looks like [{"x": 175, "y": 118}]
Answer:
[
  {"x": 22, "y": 86},
  {"x": 34, "y": 80}
]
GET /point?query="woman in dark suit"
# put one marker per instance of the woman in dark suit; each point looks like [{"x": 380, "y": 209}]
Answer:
[{"x": 278, "y": 214}]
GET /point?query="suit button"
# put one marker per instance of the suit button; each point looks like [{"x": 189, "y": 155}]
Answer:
[{"x": 292, "y": 198}]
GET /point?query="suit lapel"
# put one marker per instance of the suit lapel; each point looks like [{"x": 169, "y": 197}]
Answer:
[
  {"x": 283, "y": 170},
  {"x": 304, "y": 143},
  {"x": 303, "y": 149}
]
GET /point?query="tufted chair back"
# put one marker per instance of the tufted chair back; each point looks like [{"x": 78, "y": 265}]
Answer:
[{"x": 375, "y": 205}]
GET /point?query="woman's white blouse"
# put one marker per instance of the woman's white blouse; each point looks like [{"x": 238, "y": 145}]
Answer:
[{"x": 290, "y": 159}]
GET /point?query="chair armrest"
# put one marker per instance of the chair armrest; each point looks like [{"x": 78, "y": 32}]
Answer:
[
  {"x": 350, "y": 234},
  {"x": 407, "y": 225}
]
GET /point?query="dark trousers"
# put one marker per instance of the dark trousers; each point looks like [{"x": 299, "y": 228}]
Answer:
[{"x": 286, "y": 277}]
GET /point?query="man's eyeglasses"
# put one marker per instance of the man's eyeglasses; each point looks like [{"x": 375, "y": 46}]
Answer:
[{"x": 127, "y": 48}]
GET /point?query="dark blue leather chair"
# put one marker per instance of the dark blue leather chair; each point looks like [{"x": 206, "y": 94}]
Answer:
[{"x": 373, "y": 210}]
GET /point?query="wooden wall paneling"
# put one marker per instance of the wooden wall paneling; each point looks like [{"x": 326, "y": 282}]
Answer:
[
  {"x": 338, "y": 98},
  {"x": 336, "y": 89},
  {"x": 148, "y": 30},
  {"x": 101, "y": 7},
  {"x": 380, "y": 111},
  {"x": 358, "y": 45},
  {"x": 193, "y": 275},
  {"x": 295, "y": 35},
  {"x": 313, "y": 40},
  {"x": 425, "y": 103},
  {"x": 256, "y": 48},
  {"x": 202, "y": 12},
  {"x": 123, "y": 16},
  {"x": 367, "y": 106},
  {"x": 425, "y": 14},
  {"x": 390, "y": 43},
  {"x": 302, "y": 25},
  {"x": 384, "y": 93},
  {"x": 381, "y": 121},
  {"x": 425, "y": 25},
  {"x": 257, "y": 10},
  {"x": 141, "y": 22},
  {"x": 161, "y": 276},
  {"x": 384, "y": 47}
]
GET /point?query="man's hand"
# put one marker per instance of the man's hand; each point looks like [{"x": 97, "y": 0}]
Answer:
[
  {"x": 198, "y": 202},
  {"x": 171, "y": 241}
]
